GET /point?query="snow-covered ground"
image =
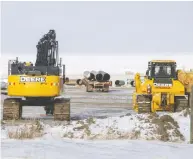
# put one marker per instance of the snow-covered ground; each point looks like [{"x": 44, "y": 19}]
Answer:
[
  {"x": 112, "y": 137},
  {"x": 71, "y": 149}
]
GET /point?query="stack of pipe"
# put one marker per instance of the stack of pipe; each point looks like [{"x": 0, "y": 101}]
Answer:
[{"x": 99, "y": 76}]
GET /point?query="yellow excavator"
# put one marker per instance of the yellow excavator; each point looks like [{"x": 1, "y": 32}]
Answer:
[
  {"x": 163, "y": 88},
  {"x": 38, "y": 85}
]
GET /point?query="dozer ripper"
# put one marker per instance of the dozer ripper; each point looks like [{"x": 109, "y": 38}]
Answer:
[
  {"x": 38, "y": 85},
  {"x": 161, "y": 89}
]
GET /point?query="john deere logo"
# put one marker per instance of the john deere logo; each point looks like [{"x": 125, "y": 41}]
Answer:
[
  {"x": 32, "y": 79},
  {"x": 162, "y": 85}
]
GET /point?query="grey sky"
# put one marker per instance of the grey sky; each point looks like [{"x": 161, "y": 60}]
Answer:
[{"x": 92, "y": 28}]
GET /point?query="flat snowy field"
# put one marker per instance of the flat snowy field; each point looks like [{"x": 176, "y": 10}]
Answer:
[{"x": 144, "y": 136}]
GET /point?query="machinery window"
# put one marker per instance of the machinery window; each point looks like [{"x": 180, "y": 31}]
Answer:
[{"x": 163, "y": 70}]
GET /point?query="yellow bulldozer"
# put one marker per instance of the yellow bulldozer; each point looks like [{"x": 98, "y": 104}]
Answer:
[
  {"x": 164, "y": 88},
  {"x": 39, "y": 84}
]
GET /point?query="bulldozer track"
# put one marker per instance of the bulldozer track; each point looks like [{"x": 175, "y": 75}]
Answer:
[
  {"x": 144, "y": 104},
  {"x": 181, "y": 104},
  {"x": 144, "y": 108}
]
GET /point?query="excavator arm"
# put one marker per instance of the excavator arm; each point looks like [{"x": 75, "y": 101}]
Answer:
[{"x": 47, "y": 50}]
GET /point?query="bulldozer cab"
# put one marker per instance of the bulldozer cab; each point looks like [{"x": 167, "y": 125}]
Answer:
[{"x": 161, "y": 69}]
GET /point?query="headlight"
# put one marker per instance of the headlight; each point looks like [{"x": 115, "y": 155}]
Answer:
[{"x": 148, "y": 89}]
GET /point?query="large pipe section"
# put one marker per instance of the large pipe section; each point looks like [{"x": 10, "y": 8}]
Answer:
[
  {"x": 82, "y": 81},
  {"x": 99, "y": 76},
  {"x": 79, "y": 81},
  {"x": 106, "y": 77},
  {"x": 86, "y": 74},
  {"x": 102, "y": 76},
  {"x": 119, "y": 82},
  {"x": 93, "y": 73},
  {"x": 132, "y": 83},
  {"x": 89, "y": 75}
]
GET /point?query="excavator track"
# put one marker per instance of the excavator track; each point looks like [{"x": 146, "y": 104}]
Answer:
[
  {"x": 12, "y": 109},
  {"x": 62, "y": 109},
  {"x": 181, "y": 104},
  {"x": 144, "y": 104}
]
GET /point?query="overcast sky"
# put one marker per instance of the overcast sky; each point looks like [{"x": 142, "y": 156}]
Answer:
[
  {"x": 133, "y": 32},
  {"x": 93, "y": 28}
]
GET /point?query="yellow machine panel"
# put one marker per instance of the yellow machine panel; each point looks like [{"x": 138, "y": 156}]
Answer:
[
  {"x": 176, "y": 88},
  {"x": 29, "y": 86}
]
